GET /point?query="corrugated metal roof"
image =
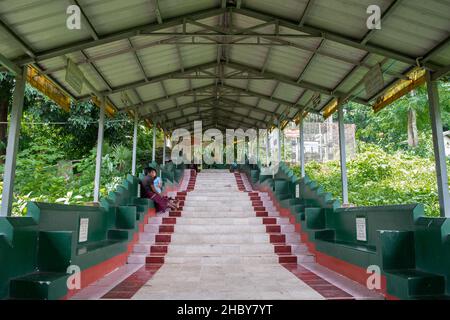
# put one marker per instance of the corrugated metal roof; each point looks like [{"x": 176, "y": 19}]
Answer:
[{"x": 266, "y": 56}]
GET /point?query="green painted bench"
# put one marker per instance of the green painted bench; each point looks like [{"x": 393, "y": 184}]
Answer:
[{"x": 57, "y": 228}]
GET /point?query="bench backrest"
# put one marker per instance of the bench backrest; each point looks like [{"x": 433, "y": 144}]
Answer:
[
  {"x": 397, "y": 217},
  {"x": 58, "y": 217}
]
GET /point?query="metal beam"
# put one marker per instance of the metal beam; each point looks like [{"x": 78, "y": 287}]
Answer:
[
  {"x": 235, "y": 89},
  {"x": 98, "y": 162},
  {"x": 394, "y": 5},
  {"x": 184, "y": 106},
  {"x": 338, "y": 38},
  {"x": 22, "y": 44},
  {"x": 13, "y": 145},
  {"x": 436, "y": 50},
  {"x": 119, "y": 35},
  {"x": 441, "y": 73},
  {"x": 207, "y": 116},
  {"x": 178, "y": 94},
  {"x": 306, "y": 12},
  {"x": 10, "y": 66},
  {"x": 287, "y": 80},
  {"x": 87, "y": 23},
  {"x": 155, "y": 79},
  {"x": 228, "y": 112},
  {"x": 236, "y": 104},
  {"x": 439, "y": 146},
  {"x": 158, "y": 12}
]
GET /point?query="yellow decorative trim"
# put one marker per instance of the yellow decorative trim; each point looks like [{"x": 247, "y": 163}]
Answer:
[
  {"x": 400, "y": 88},
  {"x": 331, "y": 108},
  {"x": 109, "y": 109},
  {"x": 48, "y": 88}
]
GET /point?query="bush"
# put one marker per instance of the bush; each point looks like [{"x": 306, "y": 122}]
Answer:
[{"x": 377, "y": 178}]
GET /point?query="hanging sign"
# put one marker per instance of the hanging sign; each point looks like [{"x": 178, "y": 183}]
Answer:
[
  {"x": 374, "y": 81},
  {"x": 316, "y": 99},
  {"x": 84, "y": 225},
  {"x": 74, "y": 76}
]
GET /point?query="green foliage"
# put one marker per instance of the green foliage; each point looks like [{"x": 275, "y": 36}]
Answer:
[
  {"x": 378, "y": 178},
  {"x": 388, "y": 128}
]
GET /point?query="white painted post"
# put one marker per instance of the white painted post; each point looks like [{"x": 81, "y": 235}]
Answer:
[
  {"x": 136, "y": 121},
  {"x": 439, "y": 147},
  {"x": 267, "y": 147},
  {"x": 343, "y": 157},
  {"x": 154, "y": 143},
  {"x": 164, "y": 149},
  {"x": 279, "y": 141},
  {"x": 301, "y": 147},
  {"x": 98, "y": 163},
  {"x": 257, "y": 146},
  {"x": 13, "y": 143}
]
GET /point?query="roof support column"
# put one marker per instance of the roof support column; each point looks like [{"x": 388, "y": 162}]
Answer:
[
  {"x": 98, "y": 163},
  {"x": 343, "y": 157},
  {"x": 279, "y": 141},
  {"x": 133, "y": 164},
  {"x": 13, "y": 143},
  {"x": 439, "y": 147},
  {"x": 257, "y": 146},
  {"x": 267, "y": 147},
  {"x": 154, "y": 143},
  {"x": 301, "y": 148},
  {"x": 164, "y": 149}
]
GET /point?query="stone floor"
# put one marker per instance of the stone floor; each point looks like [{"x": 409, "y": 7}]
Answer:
[{"x": 223, "y": 282}]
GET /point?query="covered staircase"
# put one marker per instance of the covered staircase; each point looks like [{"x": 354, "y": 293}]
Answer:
[{"x": 226, "y": 242}]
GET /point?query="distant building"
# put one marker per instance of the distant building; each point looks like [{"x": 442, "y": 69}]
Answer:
[{"x": 321, "y": 141}]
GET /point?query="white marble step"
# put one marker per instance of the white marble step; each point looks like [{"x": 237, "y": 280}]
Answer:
[
  {"x": 216, "y": 193},
  {"x": 234, "y": 196},
  {"x": 230, "y": 201},
  {"x": 217, "y": 238},
  {"x": 217, "y": 206},
  {"x": 190, "y": 249},
  {"x": 219, "y": 228},
  {"x": 147, "y": 237},
  {"x": 137, "y": 258},
  {"x": 213, "y": 214},
  {"x": 218, "y": 209},
  {"x": 233, "y": 259},
  {"x": 227, "y": 220}
]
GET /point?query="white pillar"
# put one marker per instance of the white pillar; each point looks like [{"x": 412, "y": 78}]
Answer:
[
  {"x": 136, "y": 121},
  {"x": 98, "y": 163},
  {"x": 343, "y": 157},
  {"x": 279, "y": 141},
  {"x": 267, "y": 147},
  {"x": 13, "y": 143},
  {"x": 164, "y": 149},
  {"x": 439, "y": 147},
  {"x": 257, "y": 146},
  {"x": 301, "y": 148},
  {"x": 154, "y": 143}
]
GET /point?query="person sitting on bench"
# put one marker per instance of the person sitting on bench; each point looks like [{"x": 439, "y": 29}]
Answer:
[{"x": 150, "y": 192}]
